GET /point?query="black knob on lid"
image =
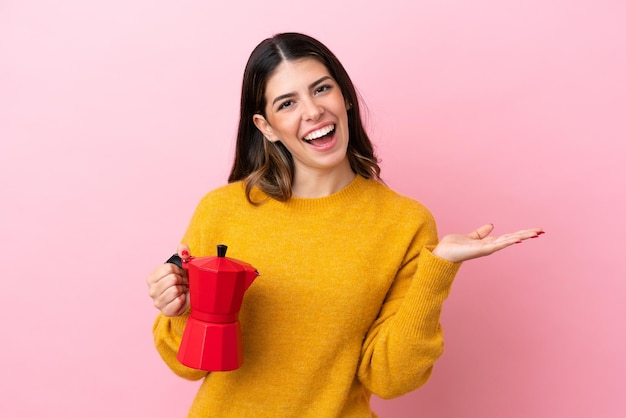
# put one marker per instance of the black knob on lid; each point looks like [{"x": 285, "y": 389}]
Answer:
[{"x": 221, "y": 250}]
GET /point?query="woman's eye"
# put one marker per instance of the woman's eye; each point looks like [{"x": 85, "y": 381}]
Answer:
[
  {"x": 322, "y": 89},
  {"x": 285, "y": 104}
]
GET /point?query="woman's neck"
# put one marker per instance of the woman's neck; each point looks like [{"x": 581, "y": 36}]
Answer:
[{"x": 312, "y": 184}]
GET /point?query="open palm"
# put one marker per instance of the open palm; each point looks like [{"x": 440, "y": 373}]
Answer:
[{"x": 458, "y": 248}]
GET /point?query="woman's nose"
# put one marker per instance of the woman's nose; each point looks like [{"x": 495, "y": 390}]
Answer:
[{"x": 311, "y": 109}]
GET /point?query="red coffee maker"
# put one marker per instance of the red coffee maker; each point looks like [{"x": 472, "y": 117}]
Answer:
[{"x": 212, "y": 337}]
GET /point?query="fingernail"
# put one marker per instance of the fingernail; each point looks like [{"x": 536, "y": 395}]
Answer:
[
  {"x": 536, "y": 236},
  {"x": 540, "y": 233},
  {"x": 518, "y": 242},
  {"x": 184, "y": 253}
]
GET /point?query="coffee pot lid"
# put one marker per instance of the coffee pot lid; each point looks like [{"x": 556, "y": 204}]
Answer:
[{"x": 220, "y": 263}]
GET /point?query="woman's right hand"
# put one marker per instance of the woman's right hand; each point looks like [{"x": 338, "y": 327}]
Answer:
[{"x": 168, "y": 286}]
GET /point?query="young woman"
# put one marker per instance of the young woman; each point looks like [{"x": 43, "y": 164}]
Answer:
[{"x": 353, "y": 275}]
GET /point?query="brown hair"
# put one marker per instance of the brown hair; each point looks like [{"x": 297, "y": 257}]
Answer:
[{"x": 269, "y": 165}]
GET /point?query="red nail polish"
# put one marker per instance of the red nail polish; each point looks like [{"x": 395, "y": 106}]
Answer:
[
  {"x": 540, "y": 233},
  {"x": 518, "y": 242},
  {"x": 185, "y": 253}
]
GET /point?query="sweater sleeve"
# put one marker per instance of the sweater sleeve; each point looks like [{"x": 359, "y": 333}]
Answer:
[
  {"x": 406, "y": 339},
  {"x": 168, "y": 331}
]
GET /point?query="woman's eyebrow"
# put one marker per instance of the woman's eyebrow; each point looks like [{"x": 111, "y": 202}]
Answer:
[
  {"x": 326, "y": 77},
  {"x": 288, "y": 95}
]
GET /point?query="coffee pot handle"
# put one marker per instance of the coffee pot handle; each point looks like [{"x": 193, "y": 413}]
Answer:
[{"x": 176, "y": 260}]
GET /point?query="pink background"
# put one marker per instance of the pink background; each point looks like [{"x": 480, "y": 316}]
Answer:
[{"x": 115, "y": 117}]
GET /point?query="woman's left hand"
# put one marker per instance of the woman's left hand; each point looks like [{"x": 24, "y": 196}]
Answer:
[{"x": 458, "y": 248}]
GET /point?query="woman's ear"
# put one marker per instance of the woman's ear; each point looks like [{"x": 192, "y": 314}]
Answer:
[{"x": 261, "y": 123}]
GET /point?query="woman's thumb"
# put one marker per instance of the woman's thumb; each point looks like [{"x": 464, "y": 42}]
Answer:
[{"x": 183, "y": 251}]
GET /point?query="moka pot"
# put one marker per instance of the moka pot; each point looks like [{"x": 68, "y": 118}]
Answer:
[{"x": 212, "y": 337}]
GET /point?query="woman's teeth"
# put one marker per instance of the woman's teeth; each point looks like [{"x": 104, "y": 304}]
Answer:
[{"x": 319, "y": 133}]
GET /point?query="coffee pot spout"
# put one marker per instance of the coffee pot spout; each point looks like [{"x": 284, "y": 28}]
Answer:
[{"x": 251, "y": 275}]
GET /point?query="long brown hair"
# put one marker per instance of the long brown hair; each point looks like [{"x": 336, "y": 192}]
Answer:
[{"x": 269, "y": 165}]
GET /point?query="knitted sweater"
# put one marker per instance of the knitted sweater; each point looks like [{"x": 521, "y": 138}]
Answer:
[{"x": 347, "y": 304}]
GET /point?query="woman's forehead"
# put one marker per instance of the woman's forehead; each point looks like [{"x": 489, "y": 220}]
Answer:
[{"x": 291, "y": 74}]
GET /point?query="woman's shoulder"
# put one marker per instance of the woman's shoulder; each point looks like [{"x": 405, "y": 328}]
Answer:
[
  {"x": 397, "y": 213},
  {"x": 227, "y": 191},
  {"x": 384, "y": 195},
  {"x": 223, "y": 197}
]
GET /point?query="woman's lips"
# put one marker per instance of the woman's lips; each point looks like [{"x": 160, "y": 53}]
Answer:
[{"x": 319, "y": 133}]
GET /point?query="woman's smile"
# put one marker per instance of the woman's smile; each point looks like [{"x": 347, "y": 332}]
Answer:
[{"x": 323, "y": 138}]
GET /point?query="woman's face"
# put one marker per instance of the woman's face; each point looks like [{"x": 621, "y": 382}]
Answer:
[{"x": 307, "y": 112}]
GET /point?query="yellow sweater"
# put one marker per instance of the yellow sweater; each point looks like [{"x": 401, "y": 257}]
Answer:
[{"x": 347, "y": 304}]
